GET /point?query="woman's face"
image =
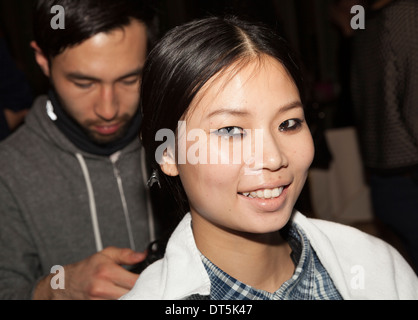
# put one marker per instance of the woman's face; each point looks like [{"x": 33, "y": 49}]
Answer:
[{"x": 246, "y": 149}]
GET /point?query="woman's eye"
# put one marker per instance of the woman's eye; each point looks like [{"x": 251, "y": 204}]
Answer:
[
  {"x": 231, "y": 132},
  {"x": 290, "y": 125}
]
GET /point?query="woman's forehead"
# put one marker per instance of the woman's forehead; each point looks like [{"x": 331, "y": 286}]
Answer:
[{"x": 234, "y": 78}]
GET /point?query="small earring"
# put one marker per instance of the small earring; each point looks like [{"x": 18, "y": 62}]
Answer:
[{"x": 154, "y": 179}]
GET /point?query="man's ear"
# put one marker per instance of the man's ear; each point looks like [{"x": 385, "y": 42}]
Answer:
[
  {"x": 40, "y": 58},
  {"x": 168, "y": 164}
]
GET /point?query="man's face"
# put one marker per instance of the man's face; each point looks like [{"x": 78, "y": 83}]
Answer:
[{"x": 98, "y": 81}]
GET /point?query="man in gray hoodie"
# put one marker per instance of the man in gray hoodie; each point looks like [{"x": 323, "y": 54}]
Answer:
[{"x": 74, "y": 207}]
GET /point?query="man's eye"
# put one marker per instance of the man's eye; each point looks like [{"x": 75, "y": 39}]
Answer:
[
  {"x": 83, "y": 85},
  {"x": 231, "y": 132},
  {"x": 130, "y": 81},
  {"x": 289, "y": 125}
]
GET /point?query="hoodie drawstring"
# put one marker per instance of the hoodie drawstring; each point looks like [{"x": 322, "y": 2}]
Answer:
[{"x": 92, "y": 203}]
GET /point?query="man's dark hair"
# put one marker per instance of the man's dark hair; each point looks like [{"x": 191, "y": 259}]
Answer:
[{"x": 86, "y": 18}]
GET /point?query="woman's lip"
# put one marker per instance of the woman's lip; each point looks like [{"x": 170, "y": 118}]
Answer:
[
  {"x": 107, "y": 129},
  {"x": 269, "y": 205},
  {"x": 266, "y": 186}
]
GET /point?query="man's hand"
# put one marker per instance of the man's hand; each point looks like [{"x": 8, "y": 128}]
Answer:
[{"x": 98, "y": 277}]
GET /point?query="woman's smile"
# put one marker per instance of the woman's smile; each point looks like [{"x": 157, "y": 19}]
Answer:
[{"x": 268, "y": 200}]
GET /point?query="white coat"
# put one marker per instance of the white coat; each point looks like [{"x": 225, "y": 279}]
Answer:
[{"x": 361, "y": 266}]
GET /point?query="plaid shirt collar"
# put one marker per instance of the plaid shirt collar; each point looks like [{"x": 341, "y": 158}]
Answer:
[{"x": 309, "y": 282}]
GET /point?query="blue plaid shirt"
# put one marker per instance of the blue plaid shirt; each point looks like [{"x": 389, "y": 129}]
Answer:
[{"x": 309, "y": 282}]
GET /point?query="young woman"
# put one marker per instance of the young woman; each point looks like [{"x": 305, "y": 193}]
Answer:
[{"x": 224, "y": 126}]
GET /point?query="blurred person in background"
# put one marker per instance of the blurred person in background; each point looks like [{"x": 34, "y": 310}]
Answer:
[
  {"x": 385, "y": 100},
  {"x": 15, "y": 92}
]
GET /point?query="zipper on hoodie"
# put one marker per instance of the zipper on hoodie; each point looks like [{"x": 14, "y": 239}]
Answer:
[{"x": 114, "y": 159}]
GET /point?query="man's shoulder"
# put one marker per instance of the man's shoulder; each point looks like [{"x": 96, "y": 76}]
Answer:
[
  {"x": 29, "y": 138},
  {"x": 24, "y": 147},
  {"x": 16, "y": 144}
]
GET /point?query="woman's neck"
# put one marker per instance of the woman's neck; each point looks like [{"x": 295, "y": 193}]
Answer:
[{"x": 260, "y": 261}]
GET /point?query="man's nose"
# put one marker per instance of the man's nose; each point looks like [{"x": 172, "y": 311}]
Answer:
[{"x": 107, "y": 106}]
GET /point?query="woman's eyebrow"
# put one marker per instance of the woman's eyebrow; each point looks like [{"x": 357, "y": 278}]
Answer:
[
  {"x": 290, "y": 106},
  {"x": 244, "y": 113},
  {"x": 228, "y": 111}
]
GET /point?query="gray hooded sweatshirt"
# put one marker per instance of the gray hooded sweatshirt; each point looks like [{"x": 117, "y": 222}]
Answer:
[{"x": 59, "y": 205}]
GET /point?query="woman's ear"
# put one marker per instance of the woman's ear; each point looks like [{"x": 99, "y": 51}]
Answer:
[{"x": 168, "y": 164}]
